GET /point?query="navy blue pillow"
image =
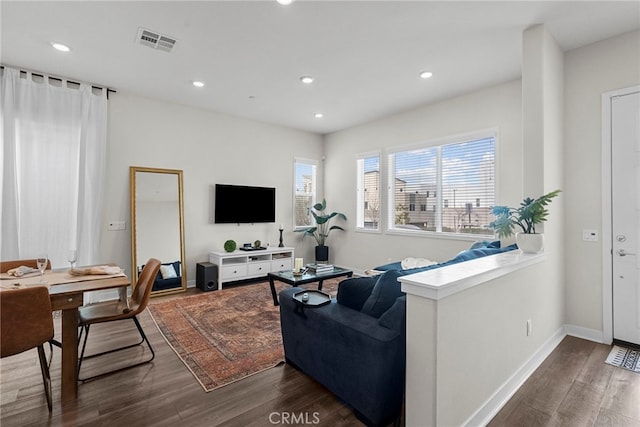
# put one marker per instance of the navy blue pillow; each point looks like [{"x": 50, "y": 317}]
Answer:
[
  {"x": 481, "y": 252},
  {"x": 353, "y": 292},
  {"x": 384, "y": 294}
]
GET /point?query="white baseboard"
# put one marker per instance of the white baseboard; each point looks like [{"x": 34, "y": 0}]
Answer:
[
  {"x": 492, "y": 406},
  {"x": 585, "y": 333}
]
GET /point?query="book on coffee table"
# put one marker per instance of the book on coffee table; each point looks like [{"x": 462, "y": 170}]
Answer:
[{"x": 320, "y": 268}]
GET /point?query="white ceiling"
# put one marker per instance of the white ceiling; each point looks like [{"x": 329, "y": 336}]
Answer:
[{"x": 365, "y": 55}]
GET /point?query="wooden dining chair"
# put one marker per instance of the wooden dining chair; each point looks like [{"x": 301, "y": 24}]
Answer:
[
  {"x": 8, "y": 265},
  {"x": 113, "y": 311},
  {"x": 26, "y": 323},
  {"x": 33, "y": 263}
]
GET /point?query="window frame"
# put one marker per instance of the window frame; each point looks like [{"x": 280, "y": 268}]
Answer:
[
  {"x": 436, "y": 144},
  {"x": 361, "y": 189},
  {"x": 314, "y": 192}
]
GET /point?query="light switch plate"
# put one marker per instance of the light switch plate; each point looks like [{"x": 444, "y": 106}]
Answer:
[
  {"x": 589, "y": 235},
  {"x": 116, "y": 225}
]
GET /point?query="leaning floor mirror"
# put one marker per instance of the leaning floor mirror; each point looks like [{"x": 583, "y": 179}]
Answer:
[{"x": 157, "y": 226}]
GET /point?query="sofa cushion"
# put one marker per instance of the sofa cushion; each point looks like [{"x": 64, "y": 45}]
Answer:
[
  {"x": 394, "y": 318},
  {"x": 384, "y": 294},
  {"x": 470, "y": 254},
  {"x": 353, "y": 292},
  {"x": 485, "y": 244}
]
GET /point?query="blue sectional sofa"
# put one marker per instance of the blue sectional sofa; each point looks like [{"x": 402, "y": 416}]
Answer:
[{"x": 355, "y": 346}]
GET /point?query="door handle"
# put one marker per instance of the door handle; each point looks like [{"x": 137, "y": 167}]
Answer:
[{"x": 622, "y": 252}]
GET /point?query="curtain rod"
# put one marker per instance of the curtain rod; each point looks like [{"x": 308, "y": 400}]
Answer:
[{"x": 60, "y": 79}]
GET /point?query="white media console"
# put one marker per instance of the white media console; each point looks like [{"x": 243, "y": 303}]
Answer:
[{"x": 240, "y": 265}]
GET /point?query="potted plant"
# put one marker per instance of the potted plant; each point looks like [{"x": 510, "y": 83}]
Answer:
[
  {"x": 526, "y": 216},
  {"x": 323, "y": 226}
]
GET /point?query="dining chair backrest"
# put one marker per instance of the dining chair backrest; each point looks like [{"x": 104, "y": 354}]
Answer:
[
  {"x": 8, "y": 265},
  {"x": 25, "y": 319},
  {"x": 140, "y": 295}
]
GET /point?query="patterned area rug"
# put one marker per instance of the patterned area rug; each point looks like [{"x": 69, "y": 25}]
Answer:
[
  {"x": 225, "y": 336},
  {"x": 624, "y": 358}
]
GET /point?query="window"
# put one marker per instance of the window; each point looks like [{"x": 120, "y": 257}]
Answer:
[
  {"x": 368, "y": 192},
  {"x": 453, "y": 184},
  {"x": 304, "y": 196}
]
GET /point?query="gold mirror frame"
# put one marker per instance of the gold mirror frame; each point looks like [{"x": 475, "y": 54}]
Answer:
[{"x": 135, "y": 186}]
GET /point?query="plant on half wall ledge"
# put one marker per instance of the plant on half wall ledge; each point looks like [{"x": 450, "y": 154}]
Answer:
[
  {"x": 525, "y": 217},
  {"x": 322, "y": 229}
]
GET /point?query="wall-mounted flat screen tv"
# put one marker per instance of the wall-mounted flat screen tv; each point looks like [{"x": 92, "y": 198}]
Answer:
[{"x": 244, "y": 204}]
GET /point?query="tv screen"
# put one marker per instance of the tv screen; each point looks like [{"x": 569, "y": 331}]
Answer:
[{"x": 244, "y": 204}]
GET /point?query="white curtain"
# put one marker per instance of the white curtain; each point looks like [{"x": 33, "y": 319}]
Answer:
[{"x": 53, "y": 161}]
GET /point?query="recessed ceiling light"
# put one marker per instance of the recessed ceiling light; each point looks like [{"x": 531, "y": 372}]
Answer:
[
  {"x": 318, "y": 115},
  {"x": 285, "y": 2},
  {"x": 425, "y": 74},
  {"x": 61, "y": 47},
  {"x": 198, "y": 84},
  {"x": 306, "y": 79}
]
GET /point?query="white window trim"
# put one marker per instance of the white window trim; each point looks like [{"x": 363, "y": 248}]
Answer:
[
  {"x": 389, "y": 218},
  {"x": 381, "y": 195},
  {"x": 308, "y": 161}
]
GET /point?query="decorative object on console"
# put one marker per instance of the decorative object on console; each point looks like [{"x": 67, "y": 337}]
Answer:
[
  {"x": 230, "y": 245},
  {"x": 281, "y": 244},
  {"x": 321, "y": 231},
  {"x": 526, "y": 216},
  {"x": 257, "y": 244}
]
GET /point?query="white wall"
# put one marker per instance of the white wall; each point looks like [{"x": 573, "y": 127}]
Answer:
[
  {"x": 210, "y": 148},
  {"x": 589, "y": 71},
  {"x": 465, "y": 348},
  {"x": 498, "y": 106}
]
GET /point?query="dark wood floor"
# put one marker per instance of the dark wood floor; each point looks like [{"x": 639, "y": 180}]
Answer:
[{"x": 573, "y": 387}]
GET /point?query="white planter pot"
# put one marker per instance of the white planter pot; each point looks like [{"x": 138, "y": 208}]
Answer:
[{"x": 530, "y": 243}]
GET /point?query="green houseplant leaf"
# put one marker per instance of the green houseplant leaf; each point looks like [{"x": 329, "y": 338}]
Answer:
[
  {"x": 526, "y": 216},
  {"x": 323, "y": 223}
]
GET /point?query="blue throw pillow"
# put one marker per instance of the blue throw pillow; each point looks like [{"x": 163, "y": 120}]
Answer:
[
  {"x": 485, "y": 244},
  {"x": 384, "y": 294},
  {"x": 353, "y": 292}
]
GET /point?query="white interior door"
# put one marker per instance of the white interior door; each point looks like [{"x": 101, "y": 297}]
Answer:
[{"x": 625, "y": 191}]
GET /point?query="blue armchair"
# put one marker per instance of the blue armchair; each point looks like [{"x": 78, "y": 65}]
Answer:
[{"x": 354, "y": 346}]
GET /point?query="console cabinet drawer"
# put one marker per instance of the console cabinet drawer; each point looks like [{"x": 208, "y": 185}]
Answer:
[
  {"x": 258, "y": 268},
  {"x": 236, "y": 271},
  {"x": 281, "y": 264}
]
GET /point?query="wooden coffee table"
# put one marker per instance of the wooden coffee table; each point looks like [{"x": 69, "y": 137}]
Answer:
[{"x": 308, "y": 277}]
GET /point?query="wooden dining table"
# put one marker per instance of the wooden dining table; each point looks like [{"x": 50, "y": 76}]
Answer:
[{"x": 67, "y": 295}]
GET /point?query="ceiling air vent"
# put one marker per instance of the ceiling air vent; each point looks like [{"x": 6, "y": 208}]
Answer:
[{"x": 155, "y": 40}]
